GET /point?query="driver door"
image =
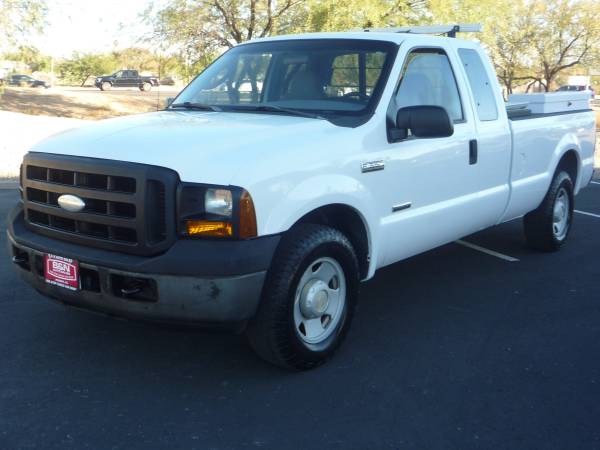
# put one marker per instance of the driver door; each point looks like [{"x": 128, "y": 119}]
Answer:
[
  {"x": 428, "y": 185},
  {"x": 119, "y": 78}
]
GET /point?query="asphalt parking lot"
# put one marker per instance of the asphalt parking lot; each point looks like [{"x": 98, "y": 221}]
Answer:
[{"x": 452, "y": 349}]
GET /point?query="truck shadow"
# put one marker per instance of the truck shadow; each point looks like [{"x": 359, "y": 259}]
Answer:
[{"x": 404, "y": 303}]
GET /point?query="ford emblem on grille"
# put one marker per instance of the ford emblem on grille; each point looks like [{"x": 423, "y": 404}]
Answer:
[{"x": 71, "y": 203}]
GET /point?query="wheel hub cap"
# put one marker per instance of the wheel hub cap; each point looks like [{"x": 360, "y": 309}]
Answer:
[
  {"x": 560, "y": 222},
  {"x": 319, "y": 301},
  {"x": 314, "y": 299}
]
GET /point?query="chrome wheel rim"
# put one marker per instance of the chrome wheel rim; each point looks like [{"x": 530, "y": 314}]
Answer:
[
  {"x": 319, "y": 301},
  {"x": 561, "y": 215}
]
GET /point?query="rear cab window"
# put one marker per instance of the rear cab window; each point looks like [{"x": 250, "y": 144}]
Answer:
[{"x": 483, "y": 93}]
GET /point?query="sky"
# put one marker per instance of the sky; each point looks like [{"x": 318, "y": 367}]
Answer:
[{"x": 91, "y": 26}]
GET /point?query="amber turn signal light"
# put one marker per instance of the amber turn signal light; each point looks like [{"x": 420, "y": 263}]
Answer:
[
  {"x": 208, "y": 228},
  {"x": 247, "y": 217}
]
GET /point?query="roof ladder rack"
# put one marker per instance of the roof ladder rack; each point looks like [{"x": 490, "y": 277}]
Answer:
[{"x": 448, "y": 30}]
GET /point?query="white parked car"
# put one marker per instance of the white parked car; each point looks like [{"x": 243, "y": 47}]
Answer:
[{"x": 267, "y": 205}]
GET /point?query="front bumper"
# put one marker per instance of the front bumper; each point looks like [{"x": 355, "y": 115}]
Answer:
[{"x": 193, "y": 282}]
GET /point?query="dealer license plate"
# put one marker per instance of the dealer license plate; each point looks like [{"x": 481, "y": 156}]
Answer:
[{"x": 62, "y": 272}]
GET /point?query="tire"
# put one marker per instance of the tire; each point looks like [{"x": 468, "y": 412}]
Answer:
[
  {"x": 308, "y": 256},
  {"x": 146, "y": 87},
  {"x": 547, "y": 227},
  {"x": 105, "y": 86}
]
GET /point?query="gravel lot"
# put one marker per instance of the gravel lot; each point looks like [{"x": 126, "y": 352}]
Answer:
[
  {"x": 83, "y": 103},
  {"x": 452, "y": 349}
]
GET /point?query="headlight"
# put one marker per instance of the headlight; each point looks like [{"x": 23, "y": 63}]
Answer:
[
  {"x": 207, "y": 211},
  {"x": 218, "y": 202}
]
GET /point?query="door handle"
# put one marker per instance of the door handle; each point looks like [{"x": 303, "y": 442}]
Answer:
[{"x": 473, "y": 151}]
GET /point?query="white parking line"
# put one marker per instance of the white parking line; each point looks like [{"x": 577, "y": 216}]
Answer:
[
  {"x": 487, "y": 251},
  {"x": 594, "y": 182},
  {"x": 587, "y": 213}
]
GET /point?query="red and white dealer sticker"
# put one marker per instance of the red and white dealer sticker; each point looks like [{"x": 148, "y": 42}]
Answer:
[{"x": 63, "y": 272}]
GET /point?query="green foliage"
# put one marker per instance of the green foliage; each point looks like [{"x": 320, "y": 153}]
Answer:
[
  {"x": 529, "y": 40},
  {"x": 567, "y": 34},
  {"x": 18, "y": 19},
  {"x": 30, "y": 56},
  {"x": 136, "y": 58},
  {"x": 333, "y": 15},
  {"x": 83, "y": 65}
]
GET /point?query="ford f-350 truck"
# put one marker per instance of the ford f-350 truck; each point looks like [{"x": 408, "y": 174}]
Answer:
[{"x": 286, "y": 173}]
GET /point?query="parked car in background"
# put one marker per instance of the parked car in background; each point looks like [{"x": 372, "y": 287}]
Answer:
[
  {"x": 126, "y": 78},
  {"x": 26, "y": 81},
  {"x": 577, "y": 88},
  {"x": 167, "y": 81}
]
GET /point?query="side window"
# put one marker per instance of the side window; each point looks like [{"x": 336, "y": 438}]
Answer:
[
  {"x": 428, "y": 79},
  {"x": 481, "y": 87},
  {"x": 119, "y": 74}
]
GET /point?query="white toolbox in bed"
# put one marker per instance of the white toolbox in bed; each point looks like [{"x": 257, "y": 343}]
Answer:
[{"x": 553, "y": 102}]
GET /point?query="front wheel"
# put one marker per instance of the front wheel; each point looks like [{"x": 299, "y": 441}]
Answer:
[
  {"x": 548, "y": 226},
  {"x": 309, "y": 298},
  {"x": 105, "y": 86}
]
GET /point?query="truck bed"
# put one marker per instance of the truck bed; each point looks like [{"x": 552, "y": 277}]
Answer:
[{"x": 538, "y": 141}]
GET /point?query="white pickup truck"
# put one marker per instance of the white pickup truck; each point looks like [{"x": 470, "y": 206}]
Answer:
[{"x": 287, "y": 172}]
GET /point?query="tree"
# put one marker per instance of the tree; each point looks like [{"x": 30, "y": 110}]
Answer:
[
  {"x": 30, "y": 56},
  {"x": 197, "y": 30},
  {"x": 19, "y": 18},
  {"x": 333, "y": 15},
  {"x": 136, "y": 58},
  {"x": 219, "y": 23},
  {"x": 567, "y": 34},
  {"x": 509, "y": 45},
  {"x": 83, "y": 65}
]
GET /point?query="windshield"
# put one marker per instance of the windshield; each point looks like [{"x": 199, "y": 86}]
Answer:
[{"x": 327, "y": 77}]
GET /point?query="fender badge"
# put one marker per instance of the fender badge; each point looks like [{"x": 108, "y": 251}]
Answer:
[{"x": 372, "y": 166}]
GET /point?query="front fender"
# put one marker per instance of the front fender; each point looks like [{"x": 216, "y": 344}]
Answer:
[{"x": 316, "y": 192}]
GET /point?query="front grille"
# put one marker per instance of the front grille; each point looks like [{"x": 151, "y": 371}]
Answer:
[{"x": 128, "y": 207}]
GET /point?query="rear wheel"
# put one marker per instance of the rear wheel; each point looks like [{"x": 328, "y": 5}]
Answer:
[
  {"x": 548, "y": 227},
  {"x": 146, "y": 87},
  {"x": 308, "y": 300}
]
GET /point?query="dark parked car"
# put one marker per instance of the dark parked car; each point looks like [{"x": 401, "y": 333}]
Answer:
[
  {"x": 577, "y": 87},
  {"x": 26, "y": 81},
  {"x": 126, "y": 78},
  {"x": 167, "y": 81}
]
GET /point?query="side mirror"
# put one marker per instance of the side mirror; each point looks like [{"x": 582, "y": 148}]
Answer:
[
  {"x": 422, "y": 122},
  {"x": 168, "y": 101}
]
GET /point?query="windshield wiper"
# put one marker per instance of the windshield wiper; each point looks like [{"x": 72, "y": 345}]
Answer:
[
  {"x": 273, "y": 108},
  {"x": 198, "y": 106}
]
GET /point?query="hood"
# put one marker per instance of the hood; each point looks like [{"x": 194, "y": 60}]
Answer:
[{"x": 206, "y": 147}]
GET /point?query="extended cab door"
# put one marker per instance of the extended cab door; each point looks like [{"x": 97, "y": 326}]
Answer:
[
  {"x": 434, "y": 190},
  {"x": 493, "y": 141}
]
